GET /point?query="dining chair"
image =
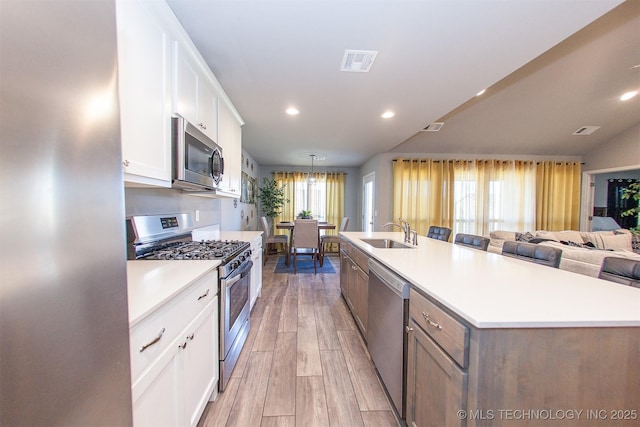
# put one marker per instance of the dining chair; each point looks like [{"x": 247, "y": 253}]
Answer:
[
  {"x": 439, "y": 233},
  {"x": 621, "y": 270},
  {"x": 305, "y": 237},
  {"x": 532, "y": 252},
  {"x": 472, "y": 241},
  {"x": 269, "y": 238},
  {"x": 332, "y": 238}
]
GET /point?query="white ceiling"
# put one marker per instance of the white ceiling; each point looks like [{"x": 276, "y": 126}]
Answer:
[{"x": 434, "y": 56}]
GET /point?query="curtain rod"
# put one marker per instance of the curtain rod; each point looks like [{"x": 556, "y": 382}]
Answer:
[
  {"x": 485, "y": 160},
  {"x": 274, "y": 172}
]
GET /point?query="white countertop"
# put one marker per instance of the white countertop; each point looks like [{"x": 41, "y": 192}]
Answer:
[
  {"x": 153, "y": 283},
  {"x": 243, "y": 236},
  {"x": 492, "y": 291}
]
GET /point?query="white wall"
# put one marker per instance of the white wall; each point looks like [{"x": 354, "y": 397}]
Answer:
[
  {"x": 154, "y": 201},
  {"x": 620, "y": 152},
  {"x": 237, "y": 215}
]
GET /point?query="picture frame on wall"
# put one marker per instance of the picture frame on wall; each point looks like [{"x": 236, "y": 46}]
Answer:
[{"x": 248, "y": 190}]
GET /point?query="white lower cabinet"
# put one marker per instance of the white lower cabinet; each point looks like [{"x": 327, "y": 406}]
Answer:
[
  {"x": 157, "y": 404},
  {"x": 256, "y": 271},
  {"x": 199, "y": 368},
  {"x": 172, "y": 384}
]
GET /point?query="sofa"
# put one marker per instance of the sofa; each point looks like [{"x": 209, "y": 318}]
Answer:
[{"x": 582, "y": 252}]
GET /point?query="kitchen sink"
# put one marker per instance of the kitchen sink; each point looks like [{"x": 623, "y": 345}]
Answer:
[{"x": 386, "y": 244}]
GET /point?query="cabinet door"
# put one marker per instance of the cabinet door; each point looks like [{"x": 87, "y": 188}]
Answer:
[
  {"x": 207, "y": 108},
  {"x": 200, "y": 362},
  {"x": 195, "y": 98},
  {"x": 186, "y": 85},
  {"x": 360, "y": 299},
  {"x": 230, "y": 139},
  {"x": 345, "y": 274},
  {"x": 155, "y": 396},
  {"x": 256, "y": 271},
  {"x": 436, "y": 386},
  {"x": 144, "y": 67}
]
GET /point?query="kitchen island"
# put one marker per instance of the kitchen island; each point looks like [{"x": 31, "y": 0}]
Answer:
[{"x": 499, "y": 341}]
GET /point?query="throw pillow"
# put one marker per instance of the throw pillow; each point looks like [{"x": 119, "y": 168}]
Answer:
[
  {"x": 569, "y": 236},
  {"x": 503, "y": 235},
  {"x": 587, "y": 245},
  {"x": 618, "y": 241},
  {"x": 543, "y": 234},
  {"x": 537, "y": 240},
  {"x": 524, "y": 237}
]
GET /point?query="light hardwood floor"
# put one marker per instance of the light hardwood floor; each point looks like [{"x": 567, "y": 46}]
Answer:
[{"x": 304, "y": 362}]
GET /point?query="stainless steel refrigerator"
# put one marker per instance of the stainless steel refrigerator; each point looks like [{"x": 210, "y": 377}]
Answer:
[{"x": 64, "y": 342}]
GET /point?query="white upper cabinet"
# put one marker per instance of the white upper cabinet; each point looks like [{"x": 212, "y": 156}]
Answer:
[
  {"x": 162, "y": 74},
  {"x": 144, "y": 67},
  {"x": 230, "y": 139},
  {"x": 194, "y": 96}
]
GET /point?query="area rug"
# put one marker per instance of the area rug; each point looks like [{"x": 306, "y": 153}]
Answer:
[{"x": 305, "y": 266}]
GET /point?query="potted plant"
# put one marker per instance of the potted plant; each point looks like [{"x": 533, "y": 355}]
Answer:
[
  {"x": 272, "y": 199},
  {"x": 632, "y": 192},
  {"x": 305, "y": 214}
]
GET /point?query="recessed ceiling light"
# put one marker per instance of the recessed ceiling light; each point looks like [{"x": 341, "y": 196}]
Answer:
[
  {"x": 387, "y": 114},
  {"x": 292, "y": 111},
  {"x": 627, "y": 96},
  {"x": 481, "y": 92}
]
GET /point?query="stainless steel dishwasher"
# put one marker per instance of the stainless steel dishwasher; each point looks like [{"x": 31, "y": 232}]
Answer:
[{"x": 386, "y": 337}]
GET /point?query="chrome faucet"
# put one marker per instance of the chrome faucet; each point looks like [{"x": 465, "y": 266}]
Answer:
[{"x": 406, "y": 228}]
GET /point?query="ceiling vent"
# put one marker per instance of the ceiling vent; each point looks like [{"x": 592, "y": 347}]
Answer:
[
  {"x": 358, "y": 61},
  {"x": 433, "y": 127},
  {"x": 586, "y": 130}
]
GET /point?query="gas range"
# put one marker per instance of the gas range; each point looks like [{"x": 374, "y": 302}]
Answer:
[{"x": 168, "y": 237}]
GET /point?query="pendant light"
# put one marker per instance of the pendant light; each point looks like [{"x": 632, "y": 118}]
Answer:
[{"x": 312, "y": 177}]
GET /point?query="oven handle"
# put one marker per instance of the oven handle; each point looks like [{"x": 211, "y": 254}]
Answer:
[{"x": 238, "y": 274}]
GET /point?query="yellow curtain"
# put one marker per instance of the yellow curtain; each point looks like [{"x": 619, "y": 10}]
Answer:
[
  {"x": 558, "y": 195},
  {"x": 423, "y": 193},
  {"x": 296, "y": 188},
  {"x": 335, "y": 199},
  {"x": 287, "y": 213},
  {"x": 494, "y": 195}
]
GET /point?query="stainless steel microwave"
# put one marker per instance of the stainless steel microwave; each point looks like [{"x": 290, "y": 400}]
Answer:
[{"x": 198, "y": 164}]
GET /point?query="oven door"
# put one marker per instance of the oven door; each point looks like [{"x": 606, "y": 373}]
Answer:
[{"x": 234, "y": 306}]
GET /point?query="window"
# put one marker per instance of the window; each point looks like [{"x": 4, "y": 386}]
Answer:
[
  {"x": 324, "y": 197},
  {"x": 311, "y": 196},
  {"x": 493, "y": 195}
]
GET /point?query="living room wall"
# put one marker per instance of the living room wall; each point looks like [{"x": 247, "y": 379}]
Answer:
[{"x": 621, "y": 152}]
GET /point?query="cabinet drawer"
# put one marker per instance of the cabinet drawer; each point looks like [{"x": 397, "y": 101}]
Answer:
[
  {"x": 158, "y": 330},
  {"x": 360, "y": 258},
  {"x": 450, "y": 334}
]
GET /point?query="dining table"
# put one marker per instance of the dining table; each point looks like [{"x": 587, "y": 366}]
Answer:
[{"x": 289, "y": 225}]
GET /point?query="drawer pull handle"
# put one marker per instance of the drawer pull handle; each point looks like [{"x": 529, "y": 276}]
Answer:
[
  {"x": 203, "y": 295},
  {"x": 431, "y": 322},
  {"x": 190, "y": 337},
  {"x": 409, "y": 329},
  {"x": 183, "y": 345},
  {"x": 155, "y": 340}
]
